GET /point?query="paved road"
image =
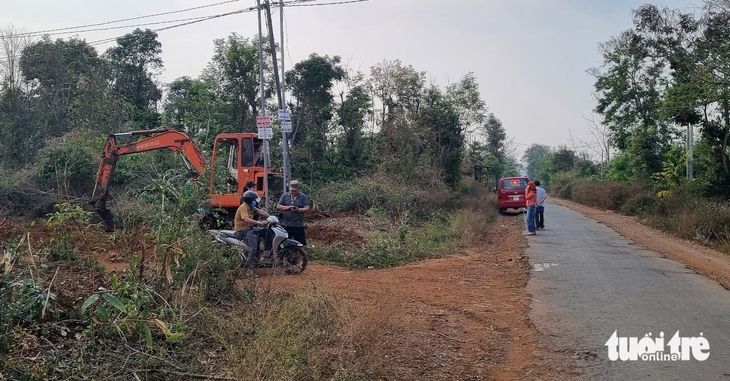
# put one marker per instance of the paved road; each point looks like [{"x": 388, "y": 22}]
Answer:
[{"x": 597, "y": 282}]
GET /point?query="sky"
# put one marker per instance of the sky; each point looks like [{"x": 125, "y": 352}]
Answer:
[{"x": 529, "y": 56}]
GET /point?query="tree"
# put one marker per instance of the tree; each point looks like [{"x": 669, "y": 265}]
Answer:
[
  {"x": 399, "y": 88},
  {"x": 696, "y": 54},
  {"x": 532, "y": 157},
  {"x": 629, "y": 99},
  {"x": 56, "y": 68},
  {"x": 563, "y": 160},
  {"x": 496, "y": 137},
  {"x": 12, "y": 43},
  {"x": 468, "y": 103},
  {"x": 351, "y": 115},
  {"x": 311, "y": 82},
  {"x": 134, "y": 62},
  {"x": 232, "y": 77},
  {"x": 17, "y": 132},
  {"x": 439, "y": 115},
  {"x": 629, "y": 92},
  {"x": 190, "y": 106}
]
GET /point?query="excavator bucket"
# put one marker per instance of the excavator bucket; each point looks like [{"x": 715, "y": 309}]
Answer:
[{"x": 107, "y": 217}]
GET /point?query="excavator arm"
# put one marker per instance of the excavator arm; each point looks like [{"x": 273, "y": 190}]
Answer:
[{"x": 154, "y": 140}]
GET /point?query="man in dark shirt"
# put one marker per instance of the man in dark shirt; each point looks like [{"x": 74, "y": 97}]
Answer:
[{"x": 294, "y": 204}]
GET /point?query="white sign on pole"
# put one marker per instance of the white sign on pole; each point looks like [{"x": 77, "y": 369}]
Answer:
[
  {"x": 266, "y": 133},
  {"x": 263, "y": 121},
  {"x": 284, "y": 115},
  {"x": 285, "y": 126}
]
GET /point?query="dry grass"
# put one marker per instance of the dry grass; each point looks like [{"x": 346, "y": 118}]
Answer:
[
  {"x": 476, "y": 211},
  {"x": 307, "y": 335}
]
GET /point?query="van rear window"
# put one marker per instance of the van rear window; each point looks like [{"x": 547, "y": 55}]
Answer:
[{"x": 510, "y": 184}]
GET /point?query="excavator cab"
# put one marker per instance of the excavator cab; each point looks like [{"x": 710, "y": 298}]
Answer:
[{"x": 242, "y": 156}]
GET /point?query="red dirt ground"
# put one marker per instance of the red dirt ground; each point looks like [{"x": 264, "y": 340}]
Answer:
[{"x": 457, "y": 318}]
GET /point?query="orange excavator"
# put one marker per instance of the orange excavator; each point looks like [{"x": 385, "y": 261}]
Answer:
[{"x": 236, "y": 156}]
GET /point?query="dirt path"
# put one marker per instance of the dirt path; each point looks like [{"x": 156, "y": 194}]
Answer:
[
  {"x": 701, "y": 259},
  {"x": 458, "y": 318}
]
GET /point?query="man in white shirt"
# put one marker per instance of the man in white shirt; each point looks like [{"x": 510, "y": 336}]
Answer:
[{"x": 540, "y": 210}]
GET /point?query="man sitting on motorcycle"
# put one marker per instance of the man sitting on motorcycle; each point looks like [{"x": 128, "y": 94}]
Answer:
[{"x": 247, "y": 228}]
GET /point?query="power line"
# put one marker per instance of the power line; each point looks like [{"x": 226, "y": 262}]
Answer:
[
  {"x": 123, "y": 26},
  {"x": 295, "y": 4},
  {"x": 187, "y": 21},
  {"x": 250, "y": 9},
  {"x": 129, "y": 19}
]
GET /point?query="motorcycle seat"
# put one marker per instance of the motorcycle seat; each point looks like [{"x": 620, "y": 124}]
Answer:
[{"x": 228, "y": 233}]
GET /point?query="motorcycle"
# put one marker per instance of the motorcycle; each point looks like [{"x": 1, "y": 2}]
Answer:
[{"x": 285, "y": 253}]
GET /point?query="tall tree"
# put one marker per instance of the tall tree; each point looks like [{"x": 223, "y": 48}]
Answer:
[
  {"x": 233, "y": 78},
  {"x": 311, "y": 82},
  {"x": 400, "y": 88},
  {"x": 17, "y": 133},
  {"x": 135, "y": 61},
  {"x": 439, "y": 115},
  {"x": 352, "y": 114},
  {"x": 629, "y": 96},
  {"x": 190, "y": 106},
  {"x": 468, "y": 102},
  {"x": 532, "y": 157},
  {"x": 57, "y": 68}
]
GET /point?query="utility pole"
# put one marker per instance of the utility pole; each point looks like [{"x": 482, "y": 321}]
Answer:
[
  {"x": 279, "y": 83},
  {"x": 263, "y": 106},
  {"x": 284, "y": 136},
  {"x": 690, "y": 152}
]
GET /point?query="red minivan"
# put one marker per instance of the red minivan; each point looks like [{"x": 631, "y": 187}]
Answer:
[{"x": 511, "y": 192}]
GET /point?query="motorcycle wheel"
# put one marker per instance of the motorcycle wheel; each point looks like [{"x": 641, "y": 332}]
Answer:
[{"x": 293, "y": 260}]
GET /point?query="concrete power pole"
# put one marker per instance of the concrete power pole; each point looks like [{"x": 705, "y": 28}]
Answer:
[
  {"x": 690, "y": 153},
  {"x": 284, "y": 136},
  {"x": 279, "y": 84},
  {"x": 263, "y": 106}
]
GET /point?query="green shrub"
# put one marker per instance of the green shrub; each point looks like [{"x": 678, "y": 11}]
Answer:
[
  {"x": 379, "y": 191},
  {"x": 66, "y": 169},
  {"x": 402, "y": 245},
  {"x": 562, "y": 186},
  {"x": 207, "y": 268},
  {"x": 566, "y": 192}
]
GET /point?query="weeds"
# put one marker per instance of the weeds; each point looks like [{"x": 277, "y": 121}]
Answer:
[
  {"x": 68, "y": 223},
  {"x": 681, "y": 211},
  {"x": 409, "y": 240},
  {"x": 382, "y": 193}
]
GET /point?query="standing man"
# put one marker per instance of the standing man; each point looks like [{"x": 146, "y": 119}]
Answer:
[
  {"x": 540, "y": 210},
  {"x": 294, "y": 204}
]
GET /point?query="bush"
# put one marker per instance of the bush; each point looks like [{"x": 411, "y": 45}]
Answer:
[
  {"x": 67, "y": 169},
  {"x": 613, "y": 196},
  {"x": 562, "y": 186},
  {"x": 421, "y": 198},
  {"x": 640, "y": 205}
]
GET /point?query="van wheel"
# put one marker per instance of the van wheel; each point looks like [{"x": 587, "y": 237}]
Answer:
[{"x": 501, "y": 210}]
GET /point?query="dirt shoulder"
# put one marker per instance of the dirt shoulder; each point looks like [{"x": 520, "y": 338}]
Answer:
[
  {"x": 701, "y": 259},
  {"x": 459, "y": 318}
]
